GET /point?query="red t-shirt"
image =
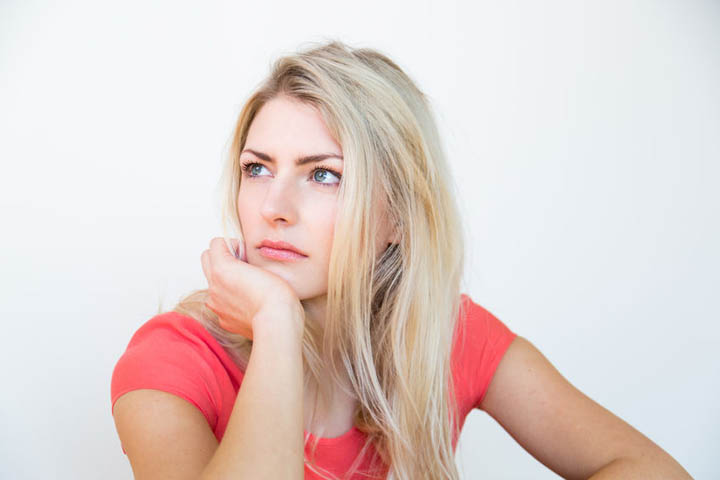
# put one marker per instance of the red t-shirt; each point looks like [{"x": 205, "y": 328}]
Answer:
[{"x": 176, "y": 354}]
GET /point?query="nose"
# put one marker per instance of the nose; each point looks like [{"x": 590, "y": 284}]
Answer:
[{"x": 280, "y": 202}]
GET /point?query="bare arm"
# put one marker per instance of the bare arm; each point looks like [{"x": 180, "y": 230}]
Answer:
[
  {"x": 264, "y": 437},
  {"x": 565, "y": 429},
  {"x": 166, "y": 437}
]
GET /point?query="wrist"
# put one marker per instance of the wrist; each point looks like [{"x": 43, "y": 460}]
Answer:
[{"x": 280, "y": 318}]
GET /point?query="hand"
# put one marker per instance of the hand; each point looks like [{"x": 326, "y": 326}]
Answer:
[{"x": 238, "y": 291}]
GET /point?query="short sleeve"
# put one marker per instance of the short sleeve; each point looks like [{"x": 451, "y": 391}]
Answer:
[
  {"x": 167, "y": 354},
  {"x": 487, "y": 340}
]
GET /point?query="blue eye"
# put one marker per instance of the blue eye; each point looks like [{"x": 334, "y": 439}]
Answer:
[
  {"x": 249, "y": 169},
  {"x": 325, "y": 171}
]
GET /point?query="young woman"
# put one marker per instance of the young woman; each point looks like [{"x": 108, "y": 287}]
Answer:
[{"x": 333, "y": 340}]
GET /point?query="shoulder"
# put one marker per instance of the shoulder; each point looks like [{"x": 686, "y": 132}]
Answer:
[
  {"x": 481, "y": 341},
  {"x": 170, "y": 326},
  {"x": 169, "y": 339},
  {"x": 172, "y": 333},
  {"x": 171, "y": 343},
  {"x": 481, "y": 327},
  {"x": 176, "y": 354}
]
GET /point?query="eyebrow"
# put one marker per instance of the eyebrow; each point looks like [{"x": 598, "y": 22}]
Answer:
[{"x": 300, "y": 161}]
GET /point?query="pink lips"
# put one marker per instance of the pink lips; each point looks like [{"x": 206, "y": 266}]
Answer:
[{"x": 280, "y": 250}]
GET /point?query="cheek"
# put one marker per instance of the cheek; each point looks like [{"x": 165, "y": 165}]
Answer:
[
  {"x": 324, "y": 225},
  {"x": 242, "y": 204}
]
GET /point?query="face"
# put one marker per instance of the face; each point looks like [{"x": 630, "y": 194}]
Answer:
[{"x": 282, "y": 201}]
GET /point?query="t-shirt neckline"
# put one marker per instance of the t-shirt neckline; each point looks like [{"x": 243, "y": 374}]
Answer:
[{"x": 353, "y": 432}]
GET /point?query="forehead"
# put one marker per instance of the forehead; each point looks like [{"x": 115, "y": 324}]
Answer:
[{"x": 286, "y": 125}]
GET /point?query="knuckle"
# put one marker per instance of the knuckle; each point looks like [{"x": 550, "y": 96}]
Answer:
[{"x": 220, "y": 275}]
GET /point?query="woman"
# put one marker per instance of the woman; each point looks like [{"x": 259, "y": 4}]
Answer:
[{"x": 333, "y": 339}]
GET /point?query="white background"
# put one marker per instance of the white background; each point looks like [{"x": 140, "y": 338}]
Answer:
[{"x": 584, "y": 138}]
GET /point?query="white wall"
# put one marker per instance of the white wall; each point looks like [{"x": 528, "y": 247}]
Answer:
[{"x": 584, "y": 138}]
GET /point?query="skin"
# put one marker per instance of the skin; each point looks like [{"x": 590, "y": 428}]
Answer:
[{"x": 563, "y": 428}]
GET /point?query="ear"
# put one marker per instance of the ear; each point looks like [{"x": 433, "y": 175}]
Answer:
[{"x": 394, "y": 236}]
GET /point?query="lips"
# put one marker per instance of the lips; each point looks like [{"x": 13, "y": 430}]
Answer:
[{"x": 281, "y": 246}]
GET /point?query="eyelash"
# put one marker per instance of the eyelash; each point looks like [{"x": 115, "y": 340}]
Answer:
[{"x": 247, "y": 166}]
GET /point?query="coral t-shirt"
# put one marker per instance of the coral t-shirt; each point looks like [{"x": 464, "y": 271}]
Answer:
[{"x": 176, "y": 354}]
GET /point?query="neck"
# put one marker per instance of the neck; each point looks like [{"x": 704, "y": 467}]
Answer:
[{"x": 315, "y": 309}]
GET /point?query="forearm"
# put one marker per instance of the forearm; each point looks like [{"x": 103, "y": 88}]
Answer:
[
  {"x": 665, "y": 468},
  {"x": 264, "y": 436}
]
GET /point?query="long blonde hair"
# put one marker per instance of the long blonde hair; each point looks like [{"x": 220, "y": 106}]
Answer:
[{"x": 391, "y": 315}]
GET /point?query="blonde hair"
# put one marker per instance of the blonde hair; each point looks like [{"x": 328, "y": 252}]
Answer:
[{"x": 390, "y": 320}]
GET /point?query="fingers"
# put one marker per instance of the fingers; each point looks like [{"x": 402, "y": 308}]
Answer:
[
  {"x": 205, "y": 261},
  {"x": 220, "y": 252},
  {"x": 222, "y": 249}
]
